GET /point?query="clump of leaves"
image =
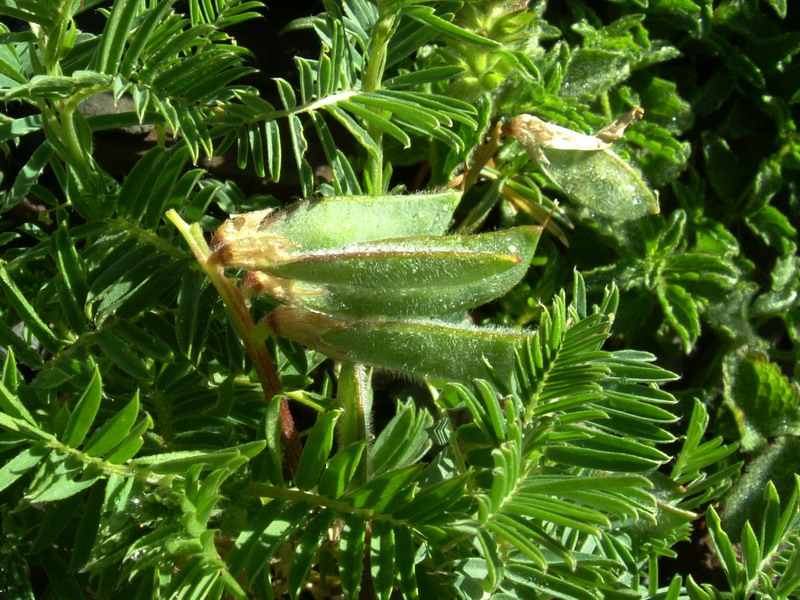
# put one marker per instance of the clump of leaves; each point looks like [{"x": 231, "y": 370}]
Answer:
[{"x": 170, "y": 425}]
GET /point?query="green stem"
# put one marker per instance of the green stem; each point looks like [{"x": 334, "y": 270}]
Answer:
[
  {"x": 108, "y": 468},
  {"x": 51, "y": 39},
  {"x": 263, "y": 490},
  {"x": 307, "y": 108},
  {"x": 61, "y": 115},
  {"x": 242, "y": 321},
  {"x": 69, "y": 135},
  {"x": 355, "y": 397},
  {"x": 376, "y": 63}
]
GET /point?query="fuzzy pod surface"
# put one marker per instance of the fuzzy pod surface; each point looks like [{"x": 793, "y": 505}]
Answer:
[
  {"x": 406, "y": 276},
  {"x": 425, "y": 348}
]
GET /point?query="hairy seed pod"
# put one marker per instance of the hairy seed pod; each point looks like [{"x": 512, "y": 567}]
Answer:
[
  {"x": 585, "y": 168},
  {"x": 602, "y": 182},
  {"x": 243, "y": 240},
  {"x": 403, "y": 277},
  {"x": 426, "y": 348}
]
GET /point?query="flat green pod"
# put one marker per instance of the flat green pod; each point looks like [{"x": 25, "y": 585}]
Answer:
[
  {"x": 424, "y": 348},
  {"x": 406, "y": 276},
  {"x": 601, "y": 181},
  {"x": 330, "y": 223},
  {"x": 585, "y": 168},
  {"x": 414, "y": 261}
]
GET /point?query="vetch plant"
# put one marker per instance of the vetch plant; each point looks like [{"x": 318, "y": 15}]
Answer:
[
  {"x": 416, "y": 347},
  {"x": 303, "y": 258}
]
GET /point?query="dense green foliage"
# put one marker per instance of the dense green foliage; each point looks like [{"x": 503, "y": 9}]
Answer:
[{"x": 159, "y": 440}]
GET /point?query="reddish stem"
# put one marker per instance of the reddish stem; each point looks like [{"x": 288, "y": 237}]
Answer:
[{"x": 242, "y": 322}]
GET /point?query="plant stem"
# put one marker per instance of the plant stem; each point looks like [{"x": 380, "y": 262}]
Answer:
[
  {"x": 242, "y": 322},
  {"x": 69, "y": 135},
  {"x": 355, "y": 397},
  {"x": 263, "y": 490},
  {"x": 376, "y": 63}
]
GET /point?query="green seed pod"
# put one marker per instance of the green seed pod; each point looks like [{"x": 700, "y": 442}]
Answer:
[
  {"x": 421, "y": 347},
  {"x": 245, "y": 239},
  {"x": 585, "y": 168},
  {"x": 405, "y": 276},
  {"x": 602, "y": 182}
]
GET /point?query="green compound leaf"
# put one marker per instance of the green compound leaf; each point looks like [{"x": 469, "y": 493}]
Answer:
[
  {"x": 606, "y": 460},
  {"x": 28, "y": 175},
  {"x": 84, "y": 413},
  {"x": 113, "y": 430},
  {"x": 427, "y": 16},
  {"x": 10, "y": 376},
  {"x": 423, "y": 347},
  {"x": 351, "y": 554},
  {"x": 433, "y": 501},
  {"x": 11, "y": 405},
  {"x": 385, "y": 491},
  {"x": 71, "y": 283},
  {"x": 376, "y": 120},
  {"x": 179, "y": 462},
  {"x": 87, "y": 530},
  {"x": 316, "y": 450},
  {"x": 423, "y": 76},
  {"x": 122, "y": 355},
  {"x": 55, "y": 518},
  {"x": 681, "y": 311},
  {"x": 26, "y": 312},
  {"x": 23, "y": 428},
  {"x": 59, "y": 477},
  {"x": 21, "y": 463},
  {"x": 307, "y": 548},
  {"x": 340, "y": 471},
  {"x": 405, "y": 564},
  {"x": 701, "y": 274},
  {"x": 527, "y": 581},
  {"x": 382, "y": 559},
  {"x": 723, "y": 546},
  {"x": 403, "y": 441},
  {"x": 108, "y": 55},
  {"x": 195, "y": 303},
  {"x": 131, "y": 443},
  {"x": 765, "y": 402}
]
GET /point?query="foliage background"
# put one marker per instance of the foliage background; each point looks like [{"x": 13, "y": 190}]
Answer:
[{"x": 137, "y": 449}]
